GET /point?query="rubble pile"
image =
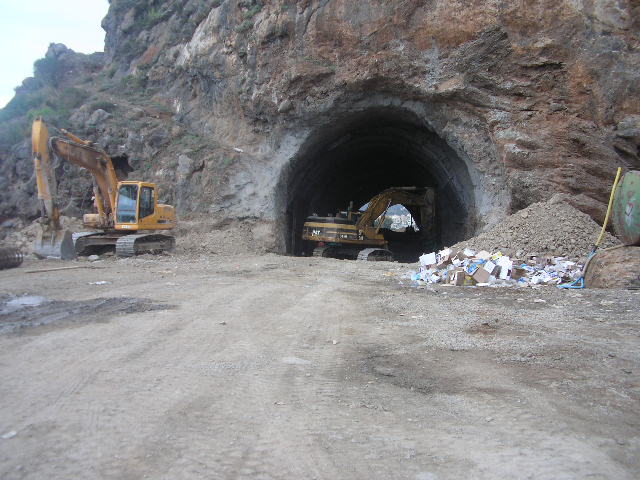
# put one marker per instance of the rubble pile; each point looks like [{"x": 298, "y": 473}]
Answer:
[
  {"x": 470, "y": 268},
  {"x": 22, "y": 234},
  {"x": 542, "y": 244},
  {"x": 201, "y": 236},
  {"x": 547, "y": 228}
]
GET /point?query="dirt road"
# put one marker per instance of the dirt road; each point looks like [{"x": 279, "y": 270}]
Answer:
[{"x": 268, "y": 367}]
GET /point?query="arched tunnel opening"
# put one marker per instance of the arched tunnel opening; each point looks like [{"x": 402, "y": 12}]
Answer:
[{"x": 364, "y": 153}]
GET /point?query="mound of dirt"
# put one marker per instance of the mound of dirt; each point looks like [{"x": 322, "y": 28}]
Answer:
[
  {"x": 546, "y": 228},
  {"x": 197, "y": 237}
]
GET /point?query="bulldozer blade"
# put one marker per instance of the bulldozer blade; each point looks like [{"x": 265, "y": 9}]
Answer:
[{"x": 56, "y": 244}]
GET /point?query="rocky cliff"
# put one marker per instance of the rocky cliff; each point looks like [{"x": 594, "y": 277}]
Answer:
[{"x": 269, "y": 111}]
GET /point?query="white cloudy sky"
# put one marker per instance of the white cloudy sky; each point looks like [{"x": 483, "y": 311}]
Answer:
[{"x": 27, "y": 27}]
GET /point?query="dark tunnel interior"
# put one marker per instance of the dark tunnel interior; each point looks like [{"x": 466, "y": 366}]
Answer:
[{"x": 367, "y": 152}]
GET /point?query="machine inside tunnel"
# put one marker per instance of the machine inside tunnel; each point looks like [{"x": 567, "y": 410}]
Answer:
[{"x": 364, "y": 153}]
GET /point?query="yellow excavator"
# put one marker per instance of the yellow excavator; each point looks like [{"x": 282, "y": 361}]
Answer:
[
  {"x": 356, "y": 235},
  {"x": 128, "y": 216}
]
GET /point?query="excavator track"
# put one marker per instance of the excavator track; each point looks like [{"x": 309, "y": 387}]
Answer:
[
  {"x": 322, "y": 251},
  {"x": 342, "y": 252},
  {"x": 375, "y": 255},
  {"x": 80, "y": 242},
  {"x": 131, "y": 245}
]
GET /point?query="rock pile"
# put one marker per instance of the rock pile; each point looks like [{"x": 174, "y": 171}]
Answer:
[
  {"x": 547, "y": 228},
  {"x": 22, "y": 234}
]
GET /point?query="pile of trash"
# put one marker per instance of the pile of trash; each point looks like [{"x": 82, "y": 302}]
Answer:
[{"x": 470, "y": 268}]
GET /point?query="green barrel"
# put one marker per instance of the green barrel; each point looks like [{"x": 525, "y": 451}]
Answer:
[{"x": 626, "y": 209}]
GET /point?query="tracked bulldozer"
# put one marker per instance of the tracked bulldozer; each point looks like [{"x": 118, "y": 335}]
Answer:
[
  {"x": 356, "y": 235},
  {"x": 128, "y": 216}
]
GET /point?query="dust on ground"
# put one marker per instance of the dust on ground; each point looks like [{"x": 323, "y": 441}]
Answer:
[{"x": 265, "y": 366}]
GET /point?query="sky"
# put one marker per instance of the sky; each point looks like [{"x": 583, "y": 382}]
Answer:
[{"x": 27, "y": 27}]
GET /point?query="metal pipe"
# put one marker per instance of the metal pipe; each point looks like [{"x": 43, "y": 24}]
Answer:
[{"x": 10, "y": 257}]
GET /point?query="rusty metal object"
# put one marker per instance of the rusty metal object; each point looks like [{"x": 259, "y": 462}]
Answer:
[
  {"x": 626, "y": 209},
  {"x": 10, "y": 257},
  {"x": 615, "y": 267}
]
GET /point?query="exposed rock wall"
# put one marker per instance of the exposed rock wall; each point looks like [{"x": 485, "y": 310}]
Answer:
[{"x": 515, "y": 100}]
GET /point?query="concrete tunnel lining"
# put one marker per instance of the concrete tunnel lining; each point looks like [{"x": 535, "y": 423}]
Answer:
[{"x": 368, "y": 151}]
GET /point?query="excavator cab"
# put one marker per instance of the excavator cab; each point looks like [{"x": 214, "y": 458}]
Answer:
[{"x": 137, "y": 208}]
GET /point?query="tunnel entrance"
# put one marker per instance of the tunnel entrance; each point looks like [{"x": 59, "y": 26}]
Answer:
[{"x": 364, "y": 153}]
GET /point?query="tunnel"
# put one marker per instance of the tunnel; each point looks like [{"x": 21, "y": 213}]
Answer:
[{"x": 363, "y": 153}]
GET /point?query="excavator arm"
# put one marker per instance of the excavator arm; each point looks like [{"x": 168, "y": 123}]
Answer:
[
  {"x": 52, "y": 240},
  {"x": 379, "y": 204},
  {"x": 45, "y": 175},
  {"x": 78, "y": 152}
]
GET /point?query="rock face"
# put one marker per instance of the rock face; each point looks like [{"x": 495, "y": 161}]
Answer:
[{"x": 275, "y": 110}]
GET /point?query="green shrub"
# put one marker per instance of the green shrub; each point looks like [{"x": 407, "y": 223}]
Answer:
[
  {"x": 12, "y": 133},
  {"x": 244, "y": 26},
  {"x": 135, "y": 82},
  {"x": 154, "y": 16},
  {"x": 112, "y": 71},
  {"x": 131, "y": 48},
  {"x": 20, "y": 104},
  {"x": 253, "y": 11},
  {"x": 48, "y": 70},
  {"x": 71, "y": 97},
  {"x": 53, "y": 116}
]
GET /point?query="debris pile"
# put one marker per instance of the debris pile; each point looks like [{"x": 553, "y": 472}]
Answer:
[
  {"x": 22, "y": 234},
  {"x": 468, "y": 268},
  {"x": 547, "y": 228}
]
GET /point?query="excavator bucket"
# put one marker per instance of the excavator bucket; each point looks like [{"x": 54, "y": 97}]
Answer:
[{"x": 56, "y": 244}]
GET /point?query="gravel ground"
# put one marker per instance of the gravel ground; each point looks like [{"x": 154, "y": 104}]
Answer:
[{"x": 270, "y": 367}]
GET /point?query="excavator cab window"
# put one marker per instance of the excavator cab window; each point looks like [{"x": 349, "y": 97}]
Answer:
[
  {"x": 146, "y": 202},
  {"x": 127, "y": 204}
]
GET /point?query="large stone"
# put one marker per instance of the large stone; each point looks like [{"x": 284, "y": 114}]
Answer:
[{"x": 617, "y": 267}]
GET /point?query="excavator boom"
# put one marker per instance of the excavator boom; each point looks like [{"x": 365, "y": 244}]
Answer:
[
  {"x": 100, "y": 166},
  {"x": 378, "y": 205}
]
